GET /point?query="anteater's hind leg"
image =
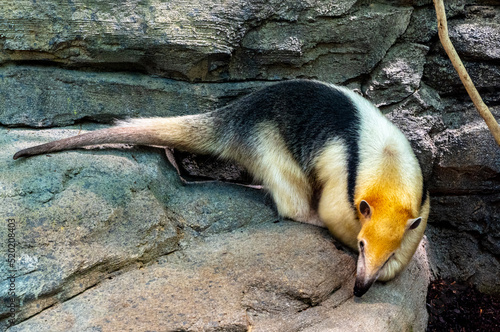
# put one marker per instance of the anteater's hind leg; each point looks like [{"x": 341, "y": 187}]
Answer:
[
  {"x": 274, "y": 165},
  {"x": 291, "y": 192},
  {"x": 293, "y": 200}
]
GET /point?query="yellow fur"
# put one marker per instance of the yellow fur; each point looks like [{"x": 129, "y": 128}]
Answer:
[
  {"x": 392, "y": 185},
  {"x": 409, "y": 245}
]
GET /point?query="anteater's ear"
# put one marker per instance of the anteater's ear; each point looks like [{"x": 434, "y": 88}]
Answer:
[
  {"x": 365, "y": 209},
  {"x": 413, "y": 223}
]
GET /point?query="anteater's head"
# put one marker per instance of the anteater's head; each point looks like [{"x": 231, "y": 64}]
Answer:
[{"x": 387, "y": 241}]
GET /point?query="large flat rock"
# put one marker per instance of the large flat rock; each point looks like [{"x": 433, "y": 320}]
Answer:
[
  {"x": 112, "y": 240},
  {"x": 203, "y": 40}
]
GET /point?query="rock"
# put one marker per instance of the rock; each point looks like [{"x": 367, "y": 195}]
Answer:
[
  {"x": 272, "y": 277},
  {"x": 128, "y": 34},
  {"x": 279, "y": 49},
  {"x": 217, "y": 283},
  {"x": 440, "y": 74},
  {"x": 465, "y": 165},
  {"x": 85, "y": 220},
  {"x": 481, "y": 12},
  {"x": 48, "y": 96},
  {"x": 464, "y": 220},
  {"x": 398, "y": 75},
  {"x": 477, "y": 40},
  {"x": 422, "y": 27},
  {"x": 91, "y": 227},
  {"x": 478, "y": 36},
  {"x": 86, "y": 214},
  {"x": 182, "y": 39},
  {"x": 458, "y": 254}
]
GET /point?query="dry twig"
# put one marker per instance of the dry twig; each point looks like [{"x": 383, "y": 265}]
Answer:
[{"x": 462, "y": 72}]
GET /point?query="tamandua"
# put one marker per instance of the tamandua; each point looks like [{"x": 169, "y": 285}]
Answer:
[{"x": 327, "y": 155}]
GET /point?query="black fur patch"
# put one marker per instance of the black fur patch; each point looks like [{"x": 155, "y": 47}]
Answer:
[
  {"x": 308, "y": 115},
  {"x": 424, "y": 193}
]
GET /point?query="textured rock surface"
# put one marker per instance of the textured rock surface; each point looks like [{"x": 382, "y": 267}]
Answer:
[
  {"x": 85, "y": 215},
  {"x": 274, "y": 277},
  {"x": 191, "y": 40},
  {"x": 465, "y": 181},
  {"x": 92, "y": 223},
  {"x": 48, "y": 96},
  {"x": 398, "y": 75}
]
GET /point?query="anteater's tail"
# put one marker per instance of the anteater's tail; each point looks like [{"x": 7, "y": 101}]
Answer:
[{"x": 193, "y": 133}]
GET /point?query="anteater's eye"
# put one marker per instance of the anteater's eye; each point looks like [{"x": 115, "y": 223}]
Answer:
[
  {"x": 415, "y": 223},
  {"x": 361, "y": 245}
]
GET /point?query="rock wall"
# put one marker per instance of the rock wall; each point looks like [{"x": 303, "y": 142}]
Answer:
[{"x": 88, "y": 219}]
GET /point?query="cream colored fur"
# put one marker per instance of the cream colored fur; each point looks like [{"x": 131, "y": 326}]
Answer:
[
  {"x": 334, "y": 208},
  {"x": 275, "y": 166},
  {"x": 192, "y": 132}
]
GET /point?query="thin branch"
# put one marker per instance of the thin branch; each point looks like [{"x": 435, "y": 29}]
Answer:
[{"x": 462, "y": 72}]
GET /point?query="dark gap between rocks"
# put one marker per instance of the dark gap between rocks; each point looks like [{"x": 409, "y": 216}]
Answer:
[{"x": 460, "y": 307}]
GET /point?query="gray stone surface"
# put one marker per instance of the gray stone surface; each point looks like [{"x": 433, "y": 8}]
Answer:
[
  {"x": 272, "y": 273},
  {"x": 280, "y": 50},
  {"x": 423, "y": 25},
  {"x": 49, "y": 96},
  {"x": 93, "y": 222},
  {"x": 439, "y": 74},
  {"x": 398, "y": 75},
  {"x": 464, "y": 221},
  {"x": 271, "y": 277},
  {"x": 82, "y": 215},
  {"x": 182, "y": 39},
  {"x": 478, "y": 36}
]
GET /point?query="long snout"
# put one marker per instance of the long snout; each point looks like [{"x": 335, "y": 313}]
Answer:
[
  {"x": 361, "y": 286},
  {"x": 364, "y": 277}
]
